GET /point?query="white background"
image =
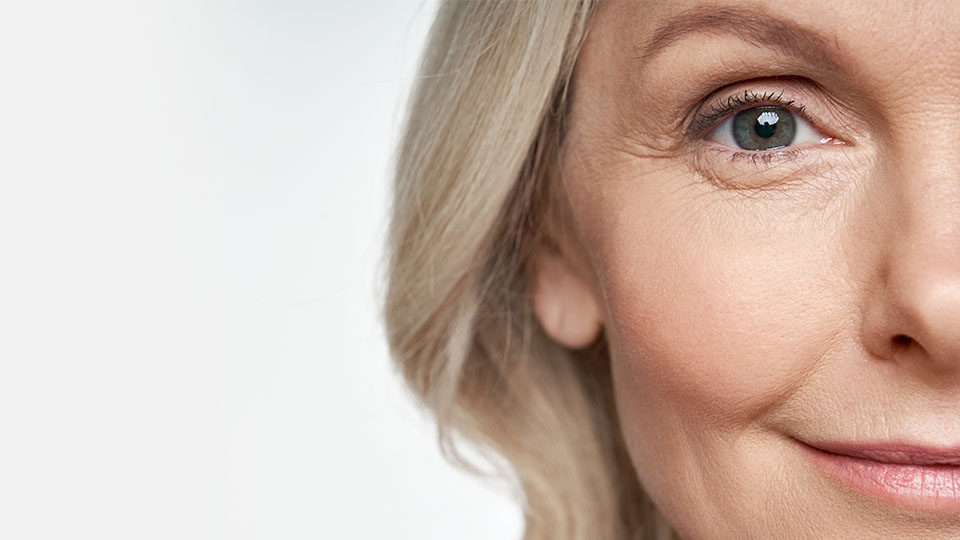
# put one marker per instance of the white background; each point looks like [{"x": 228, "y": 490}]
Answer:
[{"x": 192, "y": 203}]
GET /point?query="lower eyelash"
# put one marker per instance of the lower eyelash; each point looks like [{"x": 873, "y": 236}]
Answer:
[
  {"x": 778, "y": 168},
  {"x": 760, "y": 160},
  {"x": 764, "y": 158}
]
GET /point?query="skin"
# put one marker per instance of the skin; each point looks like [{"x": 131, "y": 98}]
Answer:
[{"x": 752, "y": 303}]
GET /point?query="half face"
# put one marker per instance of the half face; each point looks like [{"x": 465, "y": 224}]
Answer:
[{"x": 767, "y": 197}]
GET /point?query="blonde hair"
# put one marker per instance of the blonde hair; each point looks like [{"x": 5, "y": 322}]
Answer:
[{"x": 473, "y": 191}]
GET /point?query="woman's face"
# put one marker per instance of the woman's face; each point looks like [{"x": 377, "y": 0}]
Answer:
[{"x": 767, "y": 197}]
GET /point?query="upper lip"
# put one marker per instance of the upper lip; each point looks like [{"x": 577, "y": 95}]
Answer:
[{"x": 893, "y": 453}]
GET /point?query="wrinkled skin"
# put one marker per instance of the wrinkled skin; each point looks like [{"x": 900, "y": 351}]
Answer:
[{"x": 755, "y": 302}]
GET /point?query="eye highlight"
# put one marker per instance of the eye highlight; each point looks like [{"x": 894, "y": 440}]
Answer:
[{"x": 764, "y": 128}]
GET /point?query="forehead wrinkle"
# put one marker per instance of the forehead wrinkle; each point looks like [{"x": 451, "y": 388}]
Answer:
[{"x": 753, "y": 26}]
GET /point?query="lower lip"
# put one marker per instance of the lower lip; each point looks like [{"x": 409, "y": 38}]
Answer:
[{"x": 929, "y": 488}]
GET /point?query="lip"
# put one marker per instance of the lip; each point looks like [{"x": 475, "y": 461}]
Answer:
[{"x": 910, "y": 476}]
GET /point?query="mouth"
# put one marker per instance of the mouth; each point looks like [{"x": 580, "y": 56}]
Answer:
[{"x": 914, "y": 477}]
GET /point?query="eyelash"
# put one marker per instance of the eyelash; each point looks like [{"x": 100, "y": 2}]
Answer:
[{"x": 704, "y": 122}]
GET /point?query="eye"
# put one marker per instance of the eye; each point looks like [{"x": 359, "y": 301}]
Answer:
[{"x": 764, "y": 128}]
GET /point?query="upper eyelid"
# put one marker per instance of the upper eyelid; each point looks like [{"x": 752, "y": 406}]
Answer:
[{"x": 722, "y": 108}]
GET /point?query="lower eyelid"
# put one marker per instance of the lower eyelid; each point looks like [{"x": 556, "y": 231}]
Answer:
[
  {"x": 782, "y": 170},
  {"x": 759, "y": 157}
]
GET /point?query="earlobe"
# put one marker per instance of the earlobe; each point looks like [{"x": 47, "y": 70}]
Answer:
[{"x": 564, "y": 303}]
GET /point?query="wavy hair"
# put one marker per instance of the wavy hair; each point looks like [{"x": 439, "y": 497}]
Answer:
[{"x": 475, "y": 188}]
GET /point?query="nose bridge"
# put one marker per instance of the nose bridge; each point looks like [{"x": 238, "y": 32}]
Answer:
[
  {"x": 926, "y": 181},
  {"x": 927, "y": 189}
]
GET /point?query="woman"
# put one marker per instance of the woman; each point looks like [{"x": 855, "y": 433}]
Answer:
[{"x": 692, "y": 268}]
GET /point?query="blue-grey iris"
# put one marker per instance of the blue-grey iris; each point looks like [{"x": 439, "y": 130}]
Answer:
[{"x": 764, "y": 128}]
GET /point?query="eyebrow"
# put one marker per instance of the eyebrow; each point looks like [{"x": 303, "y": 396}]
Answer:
[{"x": 754, "y": 27}]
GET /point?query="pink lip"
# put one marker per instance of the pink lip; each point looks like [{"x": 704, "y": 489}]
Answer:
[{"x": 910, "y": 476}]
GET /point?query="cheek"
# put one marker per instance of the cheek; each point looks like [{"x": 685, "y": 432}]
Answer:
[
  {"x": 714, "y": 318},
  {"x": 717, "y": 330},
  {"x": 712, "y": 311}
]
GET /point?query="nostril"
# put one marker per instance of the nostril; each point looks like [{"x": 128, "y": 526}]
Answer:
[{"x": 901, "y": 340}]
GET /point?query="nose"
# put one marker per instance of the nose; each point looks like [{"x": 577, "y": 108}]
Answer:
[{"x": 913, "y": 314}]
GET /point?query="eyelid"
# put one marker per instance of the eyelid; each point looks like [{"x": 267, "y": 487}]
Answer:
[{"x": 729, "y": 104}]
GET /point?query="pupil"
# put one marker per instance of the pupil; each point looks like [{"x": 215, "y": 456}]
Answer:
[{"x": 766, "y": 124}]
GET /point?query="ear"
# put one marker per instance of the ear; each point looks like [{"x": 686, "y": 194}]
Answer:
[{"x": 563, "y": 302}]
